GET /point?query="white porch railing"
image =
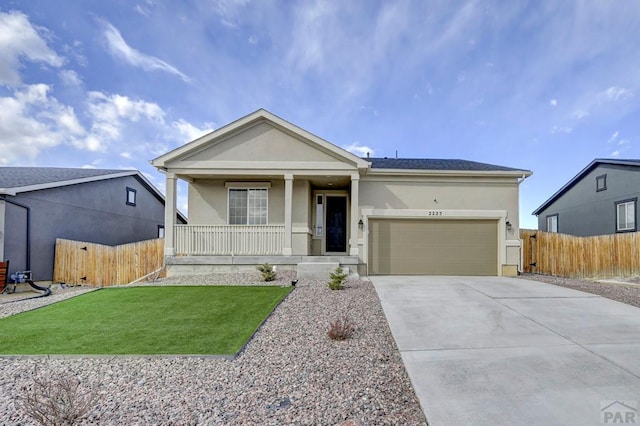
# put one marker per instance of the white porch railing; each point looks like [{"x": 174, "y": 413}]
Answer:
[{"x": 225, "y": 240}]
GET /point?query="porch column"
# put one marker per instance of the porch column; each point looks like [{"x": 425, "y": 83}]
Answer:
[
  {"x": 355, "y": 217},
  {"x": 170, "y": 213},
  {"x": 287, "y": 250}
]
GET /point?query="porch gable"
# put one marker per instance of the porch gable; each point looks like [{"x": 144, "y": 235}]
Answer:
[{"x": 259, "y": 141}]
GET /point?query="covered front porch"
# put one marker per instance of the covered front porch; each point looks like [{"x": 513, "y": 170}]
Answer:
[
  {"x": 302, "y": 215},
  {"x": 262, "y": 190}
]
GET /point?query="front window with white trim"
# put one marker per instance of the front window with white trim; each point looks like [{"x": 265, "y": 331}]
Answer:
[
  {"x": 552, "y": 223},
  {"x": 626, "y": 216},
  {"x": 248, "y": 206}
]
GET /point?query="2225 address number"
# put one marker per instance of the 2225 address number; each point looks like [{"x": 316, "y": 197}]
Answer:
[{"x": 434, "y": 213}]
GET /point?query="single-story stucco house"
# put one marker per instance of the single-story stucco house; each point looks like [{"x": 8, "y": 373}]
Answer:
[{"x": 262, "y": 189}]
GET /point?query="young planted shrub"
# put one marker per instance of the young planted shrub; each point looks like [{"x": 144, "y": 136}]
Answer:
[
  {"x": 338, "y": 277},
  {"x": 58, "y": 399},
  {"x": 267, "y": 271},
  {"x": 341, "y": 329}
]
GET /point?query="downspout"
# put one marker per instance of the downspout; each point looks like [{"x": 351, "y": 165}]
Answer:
[{"x": 28, "y": 250}]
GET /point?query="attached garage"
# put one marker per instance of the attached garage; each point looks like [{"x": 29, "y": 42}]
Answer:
[{"x": 400, "y": 246}]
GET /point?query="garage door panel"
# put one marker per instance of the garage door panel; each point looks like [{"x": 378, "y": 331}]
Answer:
[{"x": 433, "y": 247}]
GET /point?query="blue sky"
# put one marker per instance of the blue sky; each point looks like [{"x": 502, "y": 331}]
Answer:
[{"x": 543, "y": 85}]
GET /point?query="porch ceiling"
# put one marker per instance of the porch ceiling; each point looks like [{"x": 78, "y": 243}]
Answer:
[{"x": 332, "y": 181}]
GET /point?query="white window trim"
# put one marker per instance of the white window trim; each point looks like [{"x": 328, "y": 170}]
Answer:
[
  {"x": 134, "y": 192},
  {"x": 625, "y": 203},
  {"x": 229, "y": 188},
  {"x": 247, "y": 185},
  {"x": 554, "y": 218}
]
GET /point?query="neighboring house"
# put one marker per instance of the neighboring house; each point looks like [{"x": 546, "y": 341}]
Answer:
[
  {"x": 40, "y": 204},
  {"x": 602, "y": 199},
  {"x": 263, "y": 189}
]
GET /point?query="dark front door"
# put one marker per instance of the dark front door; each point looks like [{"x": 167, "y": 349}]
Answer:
[{"x": 336, "y": 238}]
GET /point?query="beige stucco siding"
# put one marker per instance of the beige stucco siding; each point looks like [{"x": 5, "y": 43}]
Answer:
[
  {"x": 449, "y": 194},
  {"x": 442, "y": 194},
  {"x": 208, "y": 200},
  {"x": 262, "y": 142}
]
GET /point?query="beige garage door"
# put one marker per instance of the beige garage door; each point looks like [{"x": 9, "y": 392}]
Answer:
[{"x": 433, "y": 247}]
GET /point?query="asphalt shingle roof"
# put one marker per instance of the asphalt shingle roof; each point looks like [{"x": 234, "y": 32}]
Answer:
[
  {"x": 434, "y": 164},
  {"x": 16, "y": 177}
]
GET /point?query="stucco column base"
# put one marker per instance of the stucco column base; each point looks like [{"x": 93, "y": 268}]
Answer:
[
  {"x": 287, "y": 252},
  {"x": 354, "y": 251}
]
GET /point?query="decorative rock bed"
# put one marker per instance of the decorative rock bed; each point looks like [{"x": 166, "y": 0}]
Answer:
[
  {"x": 289, "y": 373},
  {"x": 622, "y": 289}
]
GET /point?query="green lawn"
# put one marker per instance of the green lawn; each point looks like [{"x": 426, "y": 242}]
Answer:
[{"x": 142, "y": 321}]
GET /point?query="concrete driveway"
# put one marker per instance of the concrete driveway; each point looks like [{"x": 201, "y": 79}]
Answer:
[{"x": 506, "y": 351}]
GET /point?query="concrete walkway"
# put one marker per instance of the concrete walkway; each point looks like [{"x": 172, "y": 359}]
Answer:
[{"x": 506, "y": 351}]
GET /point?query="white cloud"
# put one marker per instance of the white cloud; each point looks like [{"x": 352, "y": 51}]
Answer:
[
  {"x": 70, "y": 78},
  {"x": 360, "y": 150},
  {"x": 597, "y": 102},
  {"x": 126, "y": 155},
  {"x": 74, "y": 51},
  {"x": 615, "y": 93},
  {"x": 613, "y": 137},
  {"x": 580, "y": 114},
  {"x": 110, "y": 113},
  {"x": 253, "y": 39},
  {"x": 561, "y": 129},
  {"x": 553, "y": 102},
  {"x": 615, "y": 153},
  {"x": 229, "y": 11},
  {"x": 119, "y": 48},
  {"x": 19, "y": 39},
  {"x": 142, "y": 10},
  {"x": 189, "y": 131},
  {"x": 31, "y": 121}
]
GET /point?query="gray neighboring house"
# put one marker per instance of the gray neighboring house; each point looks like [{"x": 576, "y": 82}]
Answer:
[
  {"x": 602, "y": 199},
  {"x": 40, "y": 204}
]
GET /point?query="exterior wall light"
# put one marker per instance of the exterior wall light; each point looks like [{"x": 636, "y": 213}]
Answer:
[
  {"x": 509, "y": 226},
  {"x": 360, "y": 224}
]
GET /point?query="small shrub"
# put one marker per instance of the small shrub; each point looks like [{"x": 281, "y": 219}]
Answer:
[
  {"x": 267, "y": 271},
  {"x": 57, "y": 400},
  {"x": 338, "y": 278},
  {"x": 341, "y": 329}
]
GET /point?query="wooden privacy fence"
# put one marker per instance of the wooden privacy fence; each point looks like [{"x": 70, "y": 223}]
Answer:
[
  {"x": 562, "y": 255},
  {"x": 99, "y": 265}
]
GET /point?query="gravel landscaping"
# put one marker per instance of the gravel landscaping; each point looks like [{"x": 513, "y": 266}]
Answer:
[
  {"x": 12, "y": 304},
  {"x": 289, "y": 373},
  {"x": 621, "y": 289}
]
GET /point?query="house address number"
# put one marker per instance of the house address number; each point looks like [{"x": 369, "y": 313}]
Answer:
[{"x": 434, "y": 213}]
